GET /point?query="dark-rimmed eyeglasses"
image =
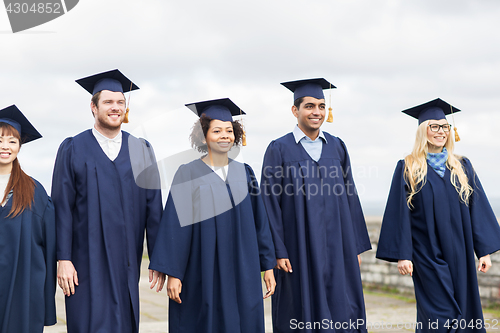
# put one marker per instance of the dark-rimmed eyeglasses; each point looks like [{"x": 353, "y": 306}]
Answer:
[{"x": 436, "y": 127}]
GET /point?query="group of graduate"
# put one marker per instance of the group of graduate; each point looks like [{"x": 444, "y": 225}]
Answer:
[{"x": 220, "y": 230}]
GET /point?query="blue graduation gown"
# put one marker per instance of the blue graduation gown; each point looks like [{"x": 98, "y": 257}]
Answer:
[
  {"x": 101, "y": 216},
  {"x": 317, "y": 222},
  {"x": 440, "y": 235},
  {"x": 28, "y": 266},
  {"x": 218, "y": 253}
]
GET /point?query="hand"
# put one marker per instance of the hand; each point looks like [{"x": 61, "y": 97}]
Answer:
[
  {"x": 484, "y": 263},
  {"x": 270, "y": 282},
  {"x": 284, "y": 265},
  {"x": 154, "y": 277},
  {"x": 174, "y": 288},
  {"x": 67, "y": 277},
  {"x": 359, "y": 260},
  {"x": 405, "y": 267}
]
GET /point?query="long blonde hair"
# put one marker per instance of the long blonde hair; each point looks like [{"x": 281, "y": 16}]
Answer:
[{"x": 415, "y": 172}]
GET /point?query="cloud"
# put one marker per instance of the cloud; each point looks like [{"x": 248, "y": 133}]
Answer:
[{"x": 384, "y": 56}]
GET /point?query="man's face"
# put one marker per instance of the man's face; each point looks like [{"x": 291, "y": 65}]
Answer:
[
  {"x": 310, "y": 114},
  {"x": 110, "y": 111}
]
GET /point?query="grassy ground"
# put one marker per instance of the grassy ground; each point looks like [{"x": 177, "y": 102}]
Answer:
[{"x": 389, "y": 292}]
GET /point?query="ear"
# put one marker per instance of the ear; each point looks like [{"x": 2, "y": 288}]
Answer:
[
  {"x": 93, "y": 108},
  {"x": 295, "y": 111}
]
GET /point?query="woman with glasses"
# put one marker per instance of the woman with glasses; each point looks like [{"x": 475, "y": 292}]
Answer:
[{"x": 437, "y": 217}]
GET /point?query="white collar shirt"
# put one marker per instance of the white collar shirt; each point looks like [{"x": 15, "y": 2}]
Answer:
[
  {"x": 312, "y": 147},
  {"x": 110, "y": 147}
]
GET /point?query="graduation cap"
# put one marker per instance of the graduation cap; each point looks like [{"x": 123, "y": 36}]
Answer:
[
  {"x": 13, "y": 116},
  {"x": 112, "y": 80},
  {"x": 436, "y": 109},
  {"x": 222, "y": 109},
  {"x": 309, "y": 87},
  {"x": 313, "y": 88}
]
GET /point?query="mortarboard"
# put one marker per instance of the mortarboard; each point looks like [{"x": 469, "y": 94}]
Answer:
[
  {"x": 13, "y": 116},
  {"x": 112, "y": 80},
  {"x": 436, "y": 109},
  {"x": 309, "y": 87},
  {"x": 222, "y": 109}
]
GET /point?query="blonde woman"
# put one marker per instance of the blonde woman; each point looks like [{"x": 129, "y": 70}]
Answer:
[{"x": 437, "y": 217}]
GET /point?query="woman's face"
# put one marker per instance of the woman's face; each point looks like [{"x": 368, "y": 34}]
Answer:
[
  {"x": 9, "y": 148},
  {"x": 220, "y": 136},
  {"x": 437, "y": 140}
]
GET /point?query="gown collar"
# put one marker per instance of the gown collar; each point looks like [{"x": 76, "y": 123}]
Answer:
[{"x": 299, "y": 135}]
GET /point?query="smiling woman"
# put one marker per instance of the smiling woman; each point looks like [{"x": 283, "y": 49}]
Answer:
[
  {"x": 214, "y": 238},
  {"x": 27, "y": 236},
  {"x": 437, "y": 134},
  {"x": 201, "y": 130},
  {"x": 9, "y": 145},
  {"x": 9, "y": 148},
  {"x": 437, "y": 217}
]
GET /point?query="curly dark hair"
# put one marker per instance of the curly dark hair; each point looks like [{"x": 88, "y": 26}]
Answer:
[{"x": 199, "y": 133}]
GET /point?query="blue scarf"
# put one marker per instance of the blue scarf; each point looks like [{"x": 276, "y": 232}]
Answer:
[{"x": 438, "y": 161}]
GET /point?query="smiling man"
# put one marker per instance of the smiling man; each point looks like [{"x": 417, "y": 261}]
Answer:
[
  {"x": 316, "y": 221},
  {"x": 102, "y": 213}
]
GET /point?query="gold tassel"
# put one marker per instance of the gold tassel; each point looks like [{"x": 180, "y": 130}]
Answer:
[
  {"x": 457, "y": 138},
  {"x": 125, "y": 120},
  {"x": 330, "y": 116}
]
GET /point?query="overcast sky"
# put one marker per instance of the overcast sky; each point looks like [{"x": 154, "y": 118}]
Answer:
[{"x": 384, "y": 56}]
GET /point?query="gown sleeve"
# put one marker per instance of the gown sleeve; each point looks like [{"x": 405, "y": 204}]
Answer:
[
  {"x": 172, "y": 248},
  {"x": 272, "y": 178},
  {"x": 153, "y": 198},
  {"x": 48, "y": 221},
  {"x": 485, "y": 228},
  {"x": 264, "y": 238},
  {"x": 362, "y": 238},
  {"x": 395, "y": 242},
  {"x": 64, "y": 196}
]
